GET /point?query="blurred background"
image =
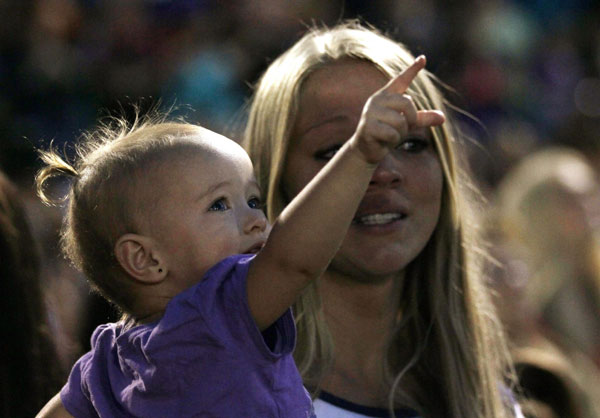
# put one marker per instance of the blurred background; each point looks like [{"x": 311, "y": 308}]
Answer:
[{"x": 527, "y": 71}]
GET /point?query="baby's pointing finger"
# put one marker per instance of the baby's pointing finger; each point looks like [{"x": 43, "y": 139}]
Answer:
[
  {"x": 426, "y": 118},
  {"x": 400, "y": 83}
]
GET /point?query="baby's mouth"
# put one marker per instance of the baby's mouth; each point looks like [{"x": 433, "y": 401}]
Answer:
[
  {"x": 255, "y": 248},
  {"x": 378, "y": 218}
]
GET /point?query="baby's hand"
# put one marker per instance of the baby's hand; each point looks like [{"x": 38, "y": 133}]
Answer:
[{"x": 389, "y": 115}]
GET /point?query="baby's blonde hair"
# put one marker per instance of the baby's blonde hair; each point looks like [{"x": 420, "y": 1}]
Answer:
[{"x": 109, "y": 193}]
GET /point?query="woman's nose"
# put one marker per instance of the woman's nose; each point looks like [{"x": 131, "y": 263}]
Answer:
[{"x": 387, "y": 173}]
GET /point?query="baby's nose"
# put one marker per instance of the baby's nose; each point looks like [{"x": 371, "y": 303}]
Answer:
[{"x": 256, "y": 221}]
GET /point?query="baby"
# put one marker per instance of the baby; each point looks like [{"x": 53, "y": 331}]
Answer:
[{"x": 166, "y": 221}]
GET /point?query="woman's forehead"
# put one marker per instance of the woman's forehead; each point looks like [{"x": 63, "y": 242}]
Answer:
[
  {"x": 342, "y": 71},
  {"x": 336, "y": 91}
]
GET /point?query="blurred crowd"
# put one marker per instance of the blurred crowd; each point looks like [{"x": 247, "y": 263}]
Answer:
[
  {"x": 524, "y": 75},
  {"x": 527, "y": 70}
]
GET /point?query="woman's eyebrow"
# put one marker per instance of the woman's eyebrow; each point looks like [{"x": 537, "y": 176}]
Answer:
[{"x": 333, "y": 119}]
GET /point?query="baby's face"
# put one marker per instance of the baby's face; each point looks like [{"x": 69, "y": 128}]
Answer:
[{"x": 211, "y": 208}]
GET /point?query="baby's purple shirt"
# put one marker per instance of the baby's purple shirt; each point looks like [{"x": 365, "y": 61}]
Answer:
[{"x": 204, "y": 358}]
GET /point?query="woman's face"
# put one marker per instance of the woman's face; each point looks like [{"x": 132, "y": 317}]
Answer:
[{"x": 400, "y": 210}]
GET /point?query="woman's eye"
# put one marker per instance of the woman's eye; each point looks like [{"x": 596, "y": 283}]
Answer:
[
  {"x": 218, "y": 205},
  {"x": 255, "y": 203},
  {"x": 328, "y": 153},
  {"x": 413, "y": 145}
]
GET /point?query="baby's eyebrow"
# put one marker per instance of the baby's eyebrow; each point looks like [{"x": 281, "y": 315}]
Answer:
[
  {"x": 255, "y": 184},
  {"x": 212, "y": 189}
]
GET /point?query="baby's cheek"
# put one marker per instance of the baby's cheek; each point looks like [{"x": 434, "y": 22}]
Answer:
[
  {"x": 230, "y": 247},
  {"x": 220, "y": 244},
  {"x": 268, "y": 228}
]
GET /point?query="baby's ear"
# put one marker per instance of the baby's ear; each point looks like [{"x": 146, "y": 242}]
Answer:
[{"x": 138, "y": 256}]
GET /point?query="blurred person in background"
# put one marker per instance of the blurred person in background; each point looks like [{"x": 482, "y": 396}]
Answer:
[
  {"x": 29, "y": 366},
  {"x": 548, "y": 237}
]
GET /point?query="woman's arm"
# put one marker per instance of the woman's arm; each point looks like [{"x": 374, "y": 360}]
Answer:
[
  {"x": 54, "y": 409},
  {"x": 308, "y": 233}
]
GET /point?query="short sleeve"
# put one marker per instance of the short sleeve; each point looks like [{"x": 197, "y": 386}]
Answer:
[
  {"x": 74, "y": 395},
  {"x": 229, "y": 316}
]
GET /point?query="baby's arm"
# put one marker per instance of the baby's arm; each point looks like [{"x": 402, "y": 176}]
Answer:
[
  {"x": 54, "y": 409},
  {"x": 310, "y": 230}
]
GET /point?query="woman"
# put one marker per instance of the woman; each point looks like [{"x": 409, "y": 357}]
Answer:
[{"x": 401, "y": 319}]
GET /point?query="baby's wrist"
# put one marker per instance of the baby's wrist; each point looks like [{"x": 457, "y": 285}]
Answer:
[{"x": 361, "y": 152}]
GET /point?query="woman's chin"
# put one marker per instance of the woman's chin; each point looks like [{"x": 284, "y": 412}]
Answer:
[{"x": 369, "y": 269}]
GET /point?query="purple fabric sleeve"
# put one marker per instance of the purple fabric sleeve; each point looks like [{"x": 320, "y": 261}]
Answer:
[{"x": 74, "y": 396}]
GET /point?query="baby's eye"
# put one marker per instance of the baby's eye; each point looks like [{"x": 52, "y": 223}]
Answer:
[
  {"x": 255, "y": 203},
  {"x": 219, "y": 205},
  {"x": 413, "y": 144},
  {"x": 327, "y": 153}
]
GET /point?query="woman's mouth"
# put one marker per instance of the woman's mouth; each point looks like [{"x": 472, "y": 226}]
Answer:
[{"x": 374, "y": 219}]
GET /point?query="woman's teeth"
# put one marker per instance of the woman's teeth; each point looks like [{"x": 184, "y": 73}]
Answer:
[{"x": 378, "y": 218}]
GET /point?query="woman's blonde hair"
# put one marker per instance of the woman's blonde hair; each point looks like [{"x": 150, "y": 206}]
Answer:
[
  {"x": 107, "y": 196},
  {"x": 448, "y": 340}
]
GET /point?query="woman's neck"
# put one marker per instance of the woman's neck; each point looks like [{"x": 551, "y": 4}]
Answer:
[
  {"x": 360, "y": 317},
  {"x": 363, "y": 301}
]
